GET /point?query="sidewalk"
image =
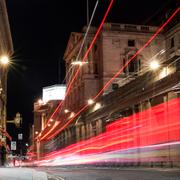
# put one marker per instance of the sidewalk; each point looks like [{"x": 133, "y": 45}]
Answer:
[{"x": 21, "y": 174}]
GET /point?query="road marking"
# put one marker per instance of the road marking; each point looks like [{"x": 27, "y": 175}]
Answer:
[{"x": 54, "y": 177}]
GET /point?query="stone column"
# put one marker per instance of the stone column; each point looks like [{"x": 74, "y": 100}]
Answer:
[
  {"x": 99, "y": 126},
  {"x": 66, "y": 137},
  {"x": 171, "y": 151},
  {"x": 77, "y": 133},
  {"x": 38, "y": 149},
  {"x": 43, "y": 121},
  {"x": 91, "y": 130},
  {"x": 87, "y": 131},
  {"x": 83, "y": 132},
  {"x": 69, "y": 136}
]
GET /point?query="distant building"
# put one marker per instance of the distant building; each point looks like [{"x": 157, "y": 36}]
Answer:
[
  {"x": 6, "y": 49},
  {"x": 51, "y": 97}
]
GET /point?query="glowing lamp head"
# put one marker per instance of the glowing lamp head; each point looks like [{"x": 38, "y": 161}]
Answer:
[
  {"x": 51, "y": 120},
  {"x": 4, "y": 60},
  {"x": 78, "y": 63},
  {"x": 36, "y": 132},
  {"x": 66, "y": 111},
  {"x": 90, "y": 101},
  {"x": 154, "y": 65}
]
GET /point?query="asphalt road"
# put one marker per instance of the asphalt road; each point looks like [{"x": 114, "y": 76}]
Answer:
[{"x": 112, "y": 173}]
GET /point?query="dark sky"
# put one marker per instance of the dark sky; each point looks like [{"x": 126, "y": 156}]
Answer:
[{"x": 40, "y": 31}]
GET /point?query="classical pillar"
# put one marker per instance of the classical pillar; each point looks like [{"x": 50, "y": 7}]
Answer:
[
  {"x": 38, "y": 149},
  {"x": 99, "y": 126},
  {"x": 69, "y": 136},
  {"x": 66, "y": 137},
  {"x": 77, "y": 133},
  {"x": 43, "y": 121},
  {"x": 87, "y": 131},
  {"x": 91, "y": 130},
  {"x": 83, "y": 132}
]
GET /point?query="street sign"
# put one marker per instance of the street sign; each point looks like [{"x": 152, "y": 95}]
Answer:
[
  {"x": 13, "y": 145},
  {"x": 20, "y": 136}
]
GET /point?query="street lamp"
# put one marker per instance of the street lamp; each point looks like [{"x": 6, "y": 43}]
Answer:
[
  {"x": 4, "y": 60},
  {"x": 90, "y": 101},
  {"x": 154, "y": 65},
  {"x": 66, "y": 111},
  {"x": 71, "y": 70},
  {"x": 79, "y": 63},
  {"x": 51, "y": 120}
]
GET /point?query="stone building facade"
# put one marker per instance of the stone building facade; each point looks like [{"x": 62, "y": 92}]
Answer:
[{"x": 114, "y": 46}]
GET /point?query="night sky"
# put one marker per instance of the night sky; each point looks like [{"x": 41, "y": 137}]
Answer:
[{"x": 40, "y": 31}]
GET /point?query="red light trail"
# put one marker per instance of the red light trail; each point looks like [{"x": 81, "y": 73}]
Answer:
[
  {"x": 145, "y": 136},
  {"x": 84, "y": 59},
  {"x": 116, "y": 75}
]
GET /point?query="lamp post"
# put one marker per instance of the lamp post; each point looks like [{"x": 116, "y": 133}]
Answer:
[{"x": 4, "y": 62}]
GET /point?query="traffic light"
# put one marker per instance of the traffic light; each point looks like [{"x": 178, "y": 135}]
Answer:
[{"x": 18, "y": 120}]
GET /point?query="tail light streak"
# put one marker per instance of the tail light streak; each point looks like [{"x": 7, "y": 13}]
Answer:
[
  {"x": 84, "y": 59},
  {"x": 116, "y": 75}
]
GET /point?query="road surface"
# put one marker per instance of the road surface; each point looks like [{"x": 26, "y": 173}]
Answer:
[{"x": 87, "y": 173}]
